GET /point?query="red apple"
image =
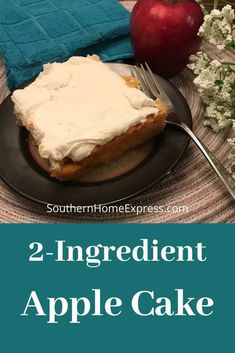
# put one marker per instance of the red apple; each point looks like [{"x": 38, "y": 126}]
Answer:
[{"x": 164, "y": 33}]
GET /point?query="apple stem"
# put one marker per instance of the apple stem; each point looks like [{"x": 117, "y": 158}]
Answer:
[{"x": 172, "y": 1}]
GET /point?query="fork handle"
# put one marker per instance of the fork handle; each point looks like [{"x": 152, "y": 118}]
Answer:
[{"x": 222, "y": 173}]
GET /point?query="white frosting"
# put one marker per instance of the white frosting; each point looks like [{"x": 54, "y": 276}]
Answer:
[{"x": 73, "y": 106}]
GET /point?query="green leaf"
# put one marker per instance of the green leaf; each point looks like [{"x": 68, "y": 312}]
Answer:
[
  {"x": 218, "y": 82},
  {"x": 231, "y": 45},
  {"x": 233, "y": 86}
]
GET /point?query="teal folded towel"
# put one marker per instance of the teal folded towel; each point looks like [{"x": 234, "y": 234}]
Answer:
[{"x": 35, "y": 32}]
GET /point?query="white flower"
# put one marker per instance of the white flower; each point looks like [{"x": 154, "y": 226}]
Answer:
[
  {"x": 218, "y": 27},
  {"x": 199, "y": 62},
  {"x": 215, "y": 82}
]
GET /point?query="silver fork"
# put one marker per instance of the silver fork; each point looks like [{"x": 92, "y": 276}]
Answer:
[{"x": 152, "y": 88}]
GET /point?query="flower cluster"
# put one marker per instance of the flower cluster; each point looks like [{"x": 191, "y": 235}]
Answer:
[
  {"x": 215, "y": 80},
  {"x": 218, "y": 27}
]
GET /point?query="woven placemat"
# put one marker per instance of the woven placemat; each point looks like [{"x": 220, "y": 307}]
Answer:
[{"x": 192, "y": 183}]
